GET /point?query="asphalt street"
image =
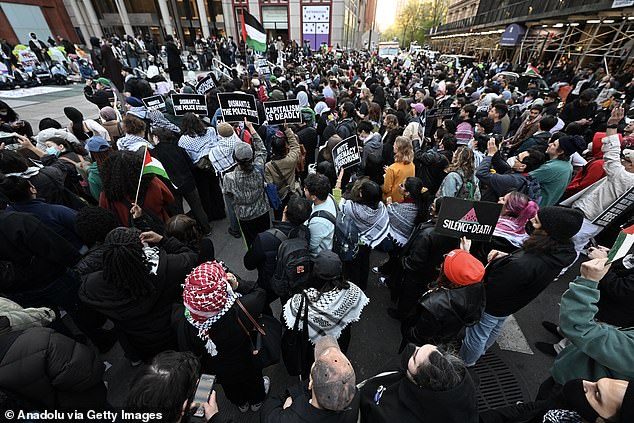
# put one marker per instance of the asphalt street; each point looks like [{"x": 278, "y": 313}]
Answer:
[{"x": 375, "y": 339}]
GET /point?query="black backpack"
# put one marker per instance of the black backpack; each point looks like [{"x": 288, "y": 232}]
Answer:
[{"x": 293, "y": 265}]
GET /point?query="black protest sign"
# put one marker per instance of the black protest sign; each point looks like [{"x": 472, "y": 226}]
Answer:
[
  {"x": 346, "y": 154},
  {"x": 236, "y": 107},
  {"x": 474, "y": 220},
  {"x": 185, "y": 103},
  {"x": 264, "y": 67},
  {"x": 284, "y": 111},
  {"x": 155, "y": 102},
  {"x": 205, "y": 85},
  {"x": 616, "y": 209}
]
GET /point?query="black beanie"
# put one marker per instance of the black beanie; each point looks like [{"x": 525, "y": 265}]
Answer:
[
  {"x": 627, "y": 408},
  {"x": 576, "y": 400},
  {"x": 571, "y": 144},
  {"x": 561, "y": 223}
]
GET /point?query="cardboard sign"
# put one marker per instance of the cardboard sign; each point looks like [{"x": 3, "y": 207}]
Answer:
[
  {"x": 278, "y": 112},
  {"x": 614, "y": 210},
  {"x": 235, "y": 107},
  {"x": 474, "y": 220},
  {"x": 346, "y": 154},
  {"x": 155, "y": 102},
  {"x": 263, "y": 66},
  {"x": 185, "y": 103},
  {"x": 205, "y": 85}
]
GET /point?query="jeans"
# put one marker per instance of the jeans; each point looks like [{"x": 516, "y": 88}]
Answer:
[
  {"x": 479, "y": 338},
  {"x": 231, "y": 215}
]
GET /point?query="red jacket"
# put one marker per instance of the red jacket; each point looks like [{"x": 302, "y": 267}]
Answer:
[
  {"x": 156, "y": 198},
  {"x": 591, "y": 172}
]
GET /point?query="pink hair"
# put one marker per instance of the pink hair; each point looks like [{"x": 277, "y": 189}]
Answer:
[{"x": 519, "y": 208}]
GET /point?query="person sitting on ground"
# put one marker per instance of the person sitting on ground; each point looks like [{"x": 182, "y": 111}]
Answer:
[
  {"x": 112, "y": 122},
  {"x": 460, "y": 181},
  {"x": 529, "y": 126},
  {"x": 431, "y": 163},
  {"x": 134, "y": 138},
  {"x": 185, "y": 229},
  {"x": 539, "y": 139},
  {"x": 429, "y": 384},
  {"x": 99, "y": 92},
  {"x": 330, "y": 393},
  {"x": 50, "y": 128},
  {"x": 92, "y": 224},
  {"x": 82, "y": 128}
]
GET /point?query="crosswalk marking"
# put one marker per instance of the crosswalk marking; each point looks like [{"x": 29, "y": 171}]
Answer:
[{"x": 512, "y": 338}]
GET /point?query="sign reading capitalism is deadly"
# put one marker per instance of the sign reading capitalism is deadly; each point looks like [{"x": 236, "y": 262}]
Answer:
[
  {"x": 474, "y": 220},
  {"x": 283, "y": 111},
  {"x": 236, "y": 107}
]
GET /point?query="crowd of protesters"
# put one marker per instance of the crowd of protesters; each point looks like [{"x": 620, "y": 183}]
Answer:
[{"x": 84, "y": 231}]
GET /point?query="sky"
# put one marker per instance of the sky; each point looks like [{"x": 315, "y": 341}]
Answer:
[{"x": 385, "y": 14}]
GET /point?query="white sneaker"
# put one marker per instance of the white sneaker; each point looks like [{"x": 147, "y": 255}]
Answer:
[
  {"x": 381, "y": 281},
  {"x": 244, "y": 407},
  {"x": 267, "y": 387},
  {"x": 375, "y": 270}
]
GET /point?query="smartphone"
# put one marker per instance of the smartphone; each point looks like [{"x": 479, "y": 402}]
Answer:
[{"x": 203, "y": 392}]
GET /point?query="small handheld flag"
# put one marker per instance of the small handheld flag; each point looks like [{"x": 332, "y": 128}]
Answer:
[{"x": 622, "y": 245}]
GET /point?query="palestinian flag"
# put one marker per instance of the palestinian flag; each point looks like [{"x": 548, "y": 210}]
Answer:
[
  {"x": 152, "y": 165},
  {"x": 623, "y": 244},
  {"x": 253, "y": 32},
  {"x": 532, "y": 71}
]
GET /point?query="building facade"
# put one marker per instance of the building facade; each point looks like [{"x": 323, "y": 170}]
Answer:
[
  {"x": 44, "y": 17},
  {"x": 535, "y": 31},
  {"x": 461, "y": 9}
]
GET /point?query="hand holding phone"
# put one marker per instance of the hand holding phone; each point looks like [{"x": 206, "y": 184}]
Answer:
[{"x": 203, "y": 393}]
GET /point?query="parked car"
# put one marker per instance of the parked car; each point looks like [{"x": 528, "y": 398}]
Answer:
[
  {"x": 521, "y": 81},
  {"x": 456, "y": 61}
]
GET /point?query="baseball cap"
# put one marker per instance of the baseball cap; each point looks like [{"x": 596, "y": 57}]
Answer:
[
  {"x": 327, "y": 266},
  {"x": 96, "y": 144},
  {"x": 103, "y": 81},
  {"x": 243, "y": 151},
  {"x": 462, "y": 268},
  {"x": 334, "y": 381}
]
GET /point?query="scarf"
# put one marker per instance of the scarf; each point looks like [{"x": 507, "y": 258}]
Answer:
[
  {"x": 373, "y": 224},
  {"x": 508, "y": 229},
  {"x": 329, "y": 313},
  {"x": 402, "y": 217},
  {"x": 221, "y": 154},
  {"x": 28, "y": 173},
  {"x": 561, "y": 416}
]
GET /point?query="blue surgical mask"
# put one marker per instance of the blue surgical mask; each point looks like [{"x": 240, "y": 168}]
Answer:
[{"x": 52, "y": 150}]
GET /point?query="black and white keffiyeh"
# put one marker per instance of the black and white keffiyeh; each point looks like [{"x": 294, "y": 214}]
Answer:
[
  {"x": 402, "y": 217},
  {"x": 373, "y": 224},
  {"x": 328, "y": 313},
  {"x": 562, "y": 416}
]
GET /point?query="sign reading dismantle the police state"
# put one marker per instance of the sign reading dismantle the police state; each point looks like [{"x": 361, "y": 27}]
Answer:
[
  {"x": 474, "y": 220},
  {"x": 155, "y": 102},
  {"x": 236, "y": 107},
  {"x": 283, "y": 111},
  {"x": 346, "y": 153},
  {"x": 185, "y": 103},
  {"x": 205, "y": 85}
]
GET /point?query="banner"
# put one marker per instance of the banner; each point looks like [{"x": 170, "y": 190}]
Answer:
[
  {"x": 155, "y": 102},
  {"x": 236, "y": 107},
  {"x": 614, "y": 210},
  {"x": 205, "y": 85},
  {"x": 475, "y": 220},
  {"x": 283, "y": 111},
  {"x": 194, "y": 103},
  {"x": 346, "y": 154}
]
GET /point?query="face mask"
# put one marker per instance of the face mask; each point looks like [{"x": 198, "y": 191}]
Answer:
[
  {"x": 53, "y": 151},
  {"x": 4, "y": 113}
]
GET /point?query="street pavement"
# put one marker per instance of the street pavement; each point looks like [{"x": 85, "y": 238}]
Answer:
[{"x": 375, "y": 339}]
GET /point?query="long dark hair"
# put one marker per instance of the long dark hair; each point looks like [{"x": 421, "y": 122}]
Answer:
[
  {"x": 541, "y": 243},
  {"x": 417, "y": 192},
  {"x": 193, "y": 126},
  {"x": 12, "y": 116}
]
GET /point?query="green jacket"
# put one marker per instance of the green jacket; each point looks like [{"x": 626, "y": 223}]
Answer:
[
  {"x": 94, "y": 181},
  {"x": 553, "y": 176},
  {"x": 597, "y": 349}
]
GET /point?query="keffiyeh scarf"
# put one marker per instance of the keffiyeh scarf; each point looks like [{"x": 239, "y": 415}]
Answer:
[
  {"x": 510, "y": 230},
  {"x": 402, "y": 217},
  {"x": 329, "y": 313},
  {"x": 373, "y": 224}
]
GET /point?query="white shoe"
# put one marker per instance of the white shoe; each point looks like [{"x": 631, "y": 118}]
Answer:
[
  {"x": 382, "y": 281},
  {"x": 244, "y": 407},
  {"x": 267, "y": 387},
  {"x": 375, "y": 270}
]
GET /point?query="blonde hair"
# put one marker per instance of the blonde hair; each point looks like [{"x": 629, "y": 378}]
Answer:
[
  {"x": 462, "y": 160},
  {"x": 404, "y": 150},
  {"x": 367, "y": 94}
]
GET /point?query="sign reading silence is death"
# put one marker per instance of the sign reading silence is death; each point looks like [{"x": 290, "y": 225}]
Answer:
[
  {"x": 346, "y": 153},
  {"x": 283, "y": 111},
  {"x": 236, "y": 107},
  {"x": 474, "y": 220}
]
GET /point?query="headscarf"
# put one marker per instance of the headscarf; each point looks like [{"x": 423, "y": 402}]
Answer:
[
  {"x": 303, "y": 99},
  {"x": 207, "y": 296},
  {"x": 321, "y": 107}
]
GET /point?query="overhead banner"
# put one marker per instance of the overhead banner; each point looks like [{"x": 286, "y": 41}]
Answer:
[
  {"x": 283, "y": 111},
  {"x": 346, "y": 154},
  {"x": 185, "y": 103},
  {"x": 474, "y": 220},
  {"x": 205, "y": 85},
  {"x": 155, "y": 102},
  {"x": 614, "y": 210},
  {"x": 236, "y": 107}
]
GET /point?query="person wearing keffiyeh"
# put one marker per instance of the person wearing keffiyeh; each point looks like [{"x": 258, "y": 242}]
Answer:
[{"x": 208, "y": 325}]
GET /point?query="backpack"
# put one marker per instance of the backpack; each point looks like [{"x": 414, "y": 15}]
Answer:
[
  {"x": 531, "y": 188},
  {"x": 467, "y": 190},
  {"x": 346, "y": 239},
  {"x": 293, "y": 266}
]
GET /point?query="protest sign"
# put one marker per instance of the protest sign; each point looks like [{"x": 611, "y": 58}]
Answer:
[
  {"x": 194, "y": 103},
  {"x": 205, "y": 85},
  {"x": 235, "y": 107},
  {"x": 155, "y": 102},
  {"x": 263, "y": 66},
  {"x": 346, "y": 154},
  {"x": 614, "y": 210},
  {"x": 475, "y": 220},
  {"x": 279, "y": 112}
]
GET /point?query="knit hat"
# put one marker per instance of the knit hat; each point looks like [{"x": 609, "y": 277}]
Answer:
[
  {"x": 576, "y": 400},
  {"x": 462, "y": 268},
  {"x": 419, "y": 107},
  {"x": 327, "y": 266},
  {"x": 561, "y": 223},
  {"x": 627, "y": 407},
  {"x": 95, "y": 144},
  {"x": 242, "y": 152},
  {"x": 225, "y": 130},
  {"x": 464, "y": 133},
  {"x": 187, "y": 90},
  {"x": 571, "y": 144},
  {"x": 103, "y": 81},
  {"x": 334, "y": 380},
  {"x": 134, "y": 102},
  {"x": 108, "y": 113}
]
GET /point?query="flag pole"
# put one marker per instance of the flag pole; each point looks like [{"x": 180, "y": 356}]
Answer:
[{"x": 138, "y": 187}]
